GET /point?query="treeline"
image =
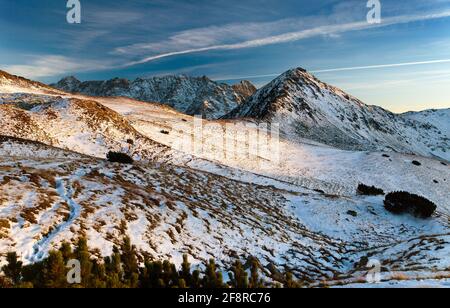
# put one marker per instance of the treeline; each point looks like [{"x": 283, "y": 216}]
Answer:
[{"x": 123, "y": 270}]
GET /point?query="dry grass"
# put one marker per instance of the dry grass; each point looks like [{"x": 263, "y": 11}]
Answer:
[
  {"x": 4, "y": 224},
  {"x": 399, "y": 276}
]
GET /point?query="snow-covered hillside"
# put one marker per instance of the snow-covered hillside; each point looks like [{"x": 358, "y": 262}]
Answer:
[
  {"x": 169, "y": 211},
  {"x": 308, "y": 108},
  {"x": 194, "y": 96},
  {"x": 83, "y": 126},
  {"x": 292, "y": 203},
  {"x": 431, "y": 123},
  {"x": 15, "y": 84},
  {"x": 305, "y": 164}
]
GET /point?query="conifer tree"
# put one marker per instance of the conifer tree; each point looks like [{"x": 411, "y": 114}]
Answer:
[
  {"x": 156, "y": 274},
  {"x": 129, "y": 260},
  {"x": 174, "y": 277},
  {"x": 55, "y": 271},
  {"x": 219, "y": 280},
  {"x": 211, "y": 278},
  {"x": 182, "y": 284},
  {"x": 98, "y": 275},
  {"x": 238, "y": 276},
  {"x": 116, "y": 262},
  {"x": 196, "y": 281},
  {"x": 82, "y": 254},
  {"x": 185, "y": 273},
  {"x": 145, "y": 279},
  {"x": 34, "y": 274},
  {"x": 13, "y": 270},
  {"x": 51, "y": 272},
  {"x": 160, "y": 284},
  {"x": 167, "y": 273},
  {"x": 66, "y": 250},
  {"x": 255, "y": 282},
  {"x": 113, "y": 281}
]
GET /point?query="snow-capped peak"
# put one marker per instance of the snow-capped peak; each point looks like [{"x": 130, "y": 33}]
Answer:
[
  {"x": 185, "y": 94},
  {"x": 306, "y": 107}
]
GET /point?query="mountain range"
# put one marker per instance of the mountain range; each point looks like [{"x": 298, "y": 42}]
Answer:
[
  {"x": 303, "y": 106},
  {"x": 190, "y": 95},
  {"x": 300, "y": 212}
]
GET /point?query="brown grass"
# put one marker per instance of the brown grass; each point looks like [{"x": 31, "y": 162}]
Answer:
[{"x": 4, "y": 224}]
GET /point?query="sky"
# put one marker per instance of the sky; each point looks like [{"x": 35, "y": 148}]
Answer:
[{"x": 401, "y": 64}]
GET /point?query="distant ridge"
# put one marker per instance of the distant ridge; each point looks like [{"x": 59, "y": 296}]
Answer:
[{"x": 190, "y": 95}]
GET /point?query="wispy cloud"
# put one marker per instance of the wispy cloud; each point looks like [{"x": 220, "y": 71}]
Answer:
[
  {"x": 52, "y": 65},
  {"x": 342, "y": 69},
  {"x": 212, "y": 38}
]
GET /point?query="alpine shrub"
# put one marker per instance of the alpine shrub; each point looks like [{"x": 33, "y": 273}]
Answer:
[{"x": 404, "y": 202}]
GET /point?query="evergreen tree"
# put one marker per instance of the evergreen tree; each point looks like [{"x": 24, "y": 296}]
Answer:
[
  {"x": 212, "y": 279},
  {"x": 13, "y": 270},
  {"x": 255, "y": 282},
  {"x": 160, "y": 284},
  {"x": 219, "y": 281},
  {"x": 156, "y": 274},
  {"x": 82, "y": 254},
  {"x": 114, "y": 263},
  {"x": 110, "y": 273},
  {"x": 113, "y": 281},
  {"x": 167, "y": 273},
  {"x": 238, "y": 276},
  {"x": 98, "y": 275},
  {"x": 34, "y": 274},
  {"x": 55, "y": 271},
  {"x": 144, "y": 279},
  {"x": 129, "y": 260},
  {"x": 182, "y": 284},
  {"x": 196, "y": 281},
  {"x": 66, "y": 250},
  {"x": 82, "y": 246},
  {"x": 113, "y": 268},
  {"x": 185, "y": 273}
]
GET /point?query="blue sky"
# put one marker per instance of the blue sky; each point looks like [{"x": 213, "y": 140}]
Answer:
[{"x": 401, "y": 64}]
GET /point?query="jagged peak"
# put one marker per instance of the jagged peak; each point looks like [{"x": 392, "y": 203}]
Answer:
[
  {"x": 171, "y": 77},
  {"x": 299, "y": 75},
  {"x": 70, "y": 78},
  {"x": 245, "y": 83}
]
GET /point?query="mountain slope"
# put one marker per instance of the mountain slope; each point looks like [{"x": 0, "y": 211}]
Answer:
[
  {"x": 308, "y": 164},
  {"x": 193, "y": 96},
  {"x": 80, "y": 125},
  {"x": 169, "y": 211},
  {"x": 308, "y": 108},
  {"x": 15, "y": 84},
  {"x": 245, "y": 88},
  {"x": 431, "y": 118}
]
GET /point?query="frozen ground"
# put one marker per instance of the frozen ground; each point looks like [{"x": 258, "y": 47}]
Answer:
[{"x": 170, "y": 210}]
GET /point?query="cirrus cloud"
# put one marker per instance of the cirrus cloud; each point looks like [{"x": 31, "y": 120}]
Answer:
[{"x": 213, "y": 38}]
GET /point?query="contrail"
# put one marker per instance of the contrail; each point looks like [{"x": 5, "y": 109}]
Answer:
[
  {"x": 381, "y": 66},
  {"x": 296, "y": 36},
  {"x": 355, "y": 68}
]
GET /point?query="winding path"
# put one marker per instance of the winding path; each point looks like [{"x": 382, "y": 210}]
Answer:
[{"x": 41, "y": 248}]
